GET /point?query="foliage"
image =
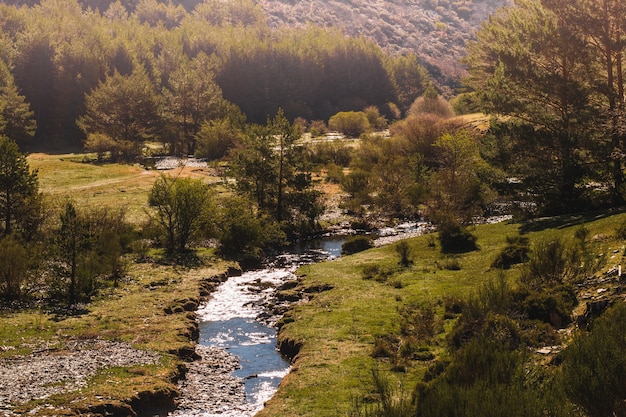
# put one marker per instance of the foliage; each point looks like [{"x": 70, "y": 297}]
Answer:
[
  {"x": 242, "y": 233},
  {"x": 551, "y": 263},
  {"x": 216, "y": 138},
  {"x": 182, "y": 208},
  {"x": 16, "y": 117},
  {"x": 356, "y": 244},
  {"x": 484, "y": 379},
  {"x": 393, "y": 402},
  {"x": 454, "y": 238},
  {"x": 594, "y": 365},
  {"x": 431, "y": 103},
  {"x": 548, "y": 66},
  {"x": 515, "y": 252},
  {"x": 403, "y": 249},
  {"x": 14, "y": 266},
  {"x": 18, "y": 188},
  {"x": 456, "y": 189},
  {"x": 270, "y": 170},
  {"x": 125, "y": 108},
  {"x": 350, "y": 123},
  {"x": 87, "y": 246}
]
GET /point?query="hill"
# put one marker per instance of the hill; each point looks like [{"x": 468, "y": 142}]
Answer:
[{"x": 436, "y": 30}]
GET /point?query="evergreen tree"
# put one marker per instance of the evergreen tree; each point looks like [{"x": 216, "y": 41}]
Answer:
[{"x": 18, "y": 186}]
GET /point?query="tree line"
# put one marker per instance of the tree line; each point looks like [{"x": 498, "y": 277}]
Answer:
[{"x": 177, "y": 68}]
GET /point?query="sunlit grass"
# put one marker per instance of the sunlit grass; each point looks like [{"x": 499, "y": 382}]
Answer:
[
  {"x": 337, "y": 328},
  {"x": 90, "y": 184}
]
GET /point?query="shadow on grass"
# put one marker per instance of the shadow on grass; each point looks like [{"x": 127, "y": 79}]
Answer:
[{"x": 567, "y": 220}]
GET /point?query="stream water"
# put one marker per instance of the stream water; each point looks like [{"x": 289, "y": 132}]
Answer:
[{"x": 236, "y": 319}]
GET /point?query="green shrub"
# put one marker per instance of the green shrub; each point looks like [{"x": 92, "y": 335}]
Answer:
[
  {"x": 350, "y": 123},
  {"x": 550, "y": 305},
  {"x": 515, "y": 252},
  {"x": 403, "y": 249},
  {"x": 377, "y": 273},
  {"x": 594, "y": 366},
  {"x": 454, "y": 238},
  {"x": 356, "y": 244},
  {"x": 14, "y": 266}
]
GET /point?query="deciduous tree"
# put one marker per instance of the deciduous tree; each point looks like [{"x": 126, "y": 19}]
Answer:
[{"x": 182, "y": 206}]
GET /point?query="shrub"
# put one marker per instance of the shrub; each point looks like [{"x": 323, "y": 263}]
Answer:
[
  {"x": 356, "y": 244},
  {"x": 594, "y": 366},
  {"x": 350, "y": 123},
  {"x": 13, "y": 267},
  {"x": 334, "y": 173},
  {"x": 403, "y": 249},
  {"x": 515, "y": 252},
  {"x": 417, "y": 321},
  {"x": 377, "y": 273},
  {"x": 317, "y": 128},
  {"x": 454, "y": 238},
  {"x": 553, "y": 262},
  {"x": 550, "y": 305}
]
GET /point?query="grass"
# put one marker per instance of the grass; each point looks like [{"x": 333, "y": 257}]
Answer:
[
  {"x": 338, "y": 327},
  {"x": 91, "y": 184}
]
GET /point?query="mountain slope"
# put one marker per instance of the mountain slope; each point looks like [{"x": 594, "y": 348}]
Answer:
[{"x": 436, "y": 30}]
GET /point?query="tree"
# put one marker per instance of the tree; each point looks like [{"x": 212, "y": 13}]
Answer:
[
  {"x": 89, "y": 244},
  {"x": 457, "y": 193},
  {"x": 269, "y": 168},
  {"x": 528, "y": 66},
  {"x": 72, "y": 240},
  {"x": 431, "y": 103},
  {"x": 409, "y": 79},
  {"x": 182, "y": 206},
  {"x": 192, "y": 96},
  {"x": 18, "y": 186},
  {"x": 16, "y": 119},
  {"x": 125, "y": 108},
  {"x": 599, "y": 24},
  {"x": 216, "y": 138}
]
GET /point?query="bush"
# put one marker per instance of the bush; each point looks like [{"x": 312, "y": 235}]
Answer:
[
  {"x": 515, "y": 252},
  {"x": 356, "y": 244},
  {"x": 403, "y": 249},
  {"x": 454, "y": 238},
  {"x": 13, "y": 267},
  {"x": 550, "y": 305},
  {"x": 377, "y": 273},
  {"x": 350, "y": 123},
  {"x": 594, "y": 366}
]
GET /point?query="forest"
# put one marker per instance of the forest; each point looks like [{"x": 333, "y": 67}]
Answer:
[{"x": 282, "y": 115}]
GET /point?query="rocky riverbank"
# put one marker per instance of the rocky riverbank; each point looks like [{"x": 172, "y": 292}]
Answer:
[
  {"x": 47, "y": 372},
  {"x": 209, "y": 386}
]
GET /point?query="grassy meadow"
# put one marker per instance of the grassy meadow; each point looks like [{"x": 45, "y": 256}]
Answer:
[{"x": 92, "y": 184}]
